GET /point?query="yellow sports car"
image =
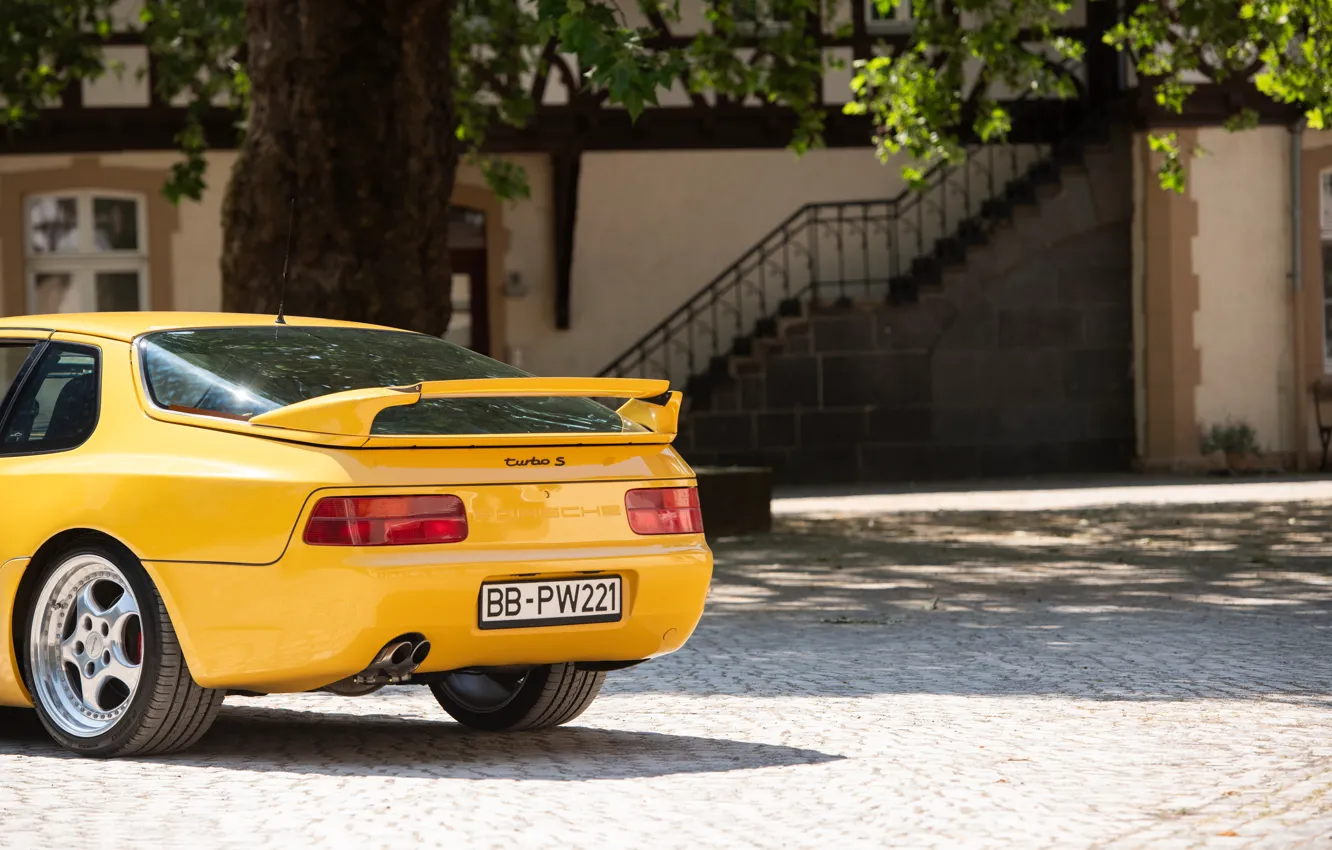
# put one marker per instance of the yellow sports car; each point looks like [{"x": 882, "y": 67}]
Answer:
[{"x": 193, "y": 505}]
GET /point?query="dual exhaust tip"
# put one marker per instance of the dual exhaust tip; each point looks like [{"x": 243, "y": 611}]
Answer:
[
  {"x": 395, "y": 663},
  {"x": 399, "y": 659}
]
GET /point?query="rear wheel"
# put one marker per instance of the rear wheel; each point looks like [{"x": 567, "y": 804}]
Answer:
[
  {"x": 546, "y": 695},
  {"x": 104, "y": 668}
]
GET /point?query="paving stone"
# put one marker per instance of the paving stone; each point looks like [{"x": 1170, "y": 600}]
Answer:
[{"x": 1139, "y": 676}]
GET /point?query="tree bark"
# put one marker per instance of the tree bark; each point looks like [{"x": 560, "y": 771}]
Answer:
[{"x": 352, "y": 116}]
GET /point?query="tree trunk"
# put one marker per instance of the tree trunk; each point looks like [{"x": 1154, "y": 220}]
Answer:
[{"x": 353, "y": 117}]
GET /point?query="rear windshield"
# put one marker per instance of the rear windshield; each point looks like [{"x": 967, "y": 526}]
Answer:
[{"x": 238, "y": 373}]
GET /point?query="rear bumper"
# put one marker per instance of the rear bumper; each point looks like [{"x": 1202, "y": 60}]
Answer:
[{"x": 319, "y": 614}]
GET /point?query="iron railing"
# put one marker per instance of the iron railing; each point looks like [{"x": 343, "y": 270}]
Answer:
[{"x": 831, "y": 252}]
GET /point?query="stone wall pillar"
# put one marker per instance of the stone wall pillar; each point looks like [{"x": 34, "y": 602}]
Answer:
[{"x": 1168, "y": 362}]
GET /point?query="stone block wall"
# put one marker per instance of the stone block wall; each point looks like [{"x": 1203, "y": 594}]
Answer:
[{"x": 1020, "y": 363}]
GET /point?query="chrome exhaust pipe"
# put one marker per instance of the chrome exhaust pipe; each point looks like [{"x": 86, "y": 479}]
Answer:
[
  {"x": 393, "y": 664},
  {"x": 396, "y": 654},
  {"x": 419, "y": 653}
]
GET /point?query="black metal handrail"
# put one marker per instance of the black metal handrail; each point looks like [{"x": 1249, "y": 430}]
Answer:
[{"x": 838, "y": 251}]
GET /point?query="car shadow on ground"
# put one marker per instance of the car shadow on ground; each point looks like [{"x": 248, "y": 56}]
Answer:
[{"x": 282, "y": 740}]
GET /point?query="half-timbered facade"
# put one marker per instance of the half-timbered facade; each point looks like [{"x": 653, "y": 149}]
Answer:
[{"x": 1042, "y": 308}]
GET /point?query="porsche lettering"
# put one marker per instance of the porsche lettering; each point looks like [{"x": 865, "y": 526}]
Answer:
[{"x": 544, "y": 512}]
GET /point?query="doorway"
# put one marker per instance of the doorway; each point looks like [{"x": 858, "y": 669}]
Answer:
[{"x": 469, "y": 288}]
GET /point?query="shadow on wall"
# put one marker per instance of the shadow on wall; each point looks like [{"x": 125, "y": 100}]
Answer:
[{"x": 1015, "y": 359}]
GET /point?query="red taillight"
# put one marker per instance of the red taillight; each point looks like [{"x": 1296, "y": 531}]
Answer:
[
  {"x": 386, "y": 521},
  {"x": 664, "y": 510}
]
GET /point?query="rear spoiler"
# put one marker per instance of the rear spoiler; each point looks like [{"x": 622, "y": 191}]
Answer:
[{"x": 352, "y": 413}]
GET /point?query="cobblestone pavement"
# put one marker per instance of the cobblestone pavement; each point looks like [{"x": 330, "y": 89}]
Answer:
[{"x": 1110, "y": 677}]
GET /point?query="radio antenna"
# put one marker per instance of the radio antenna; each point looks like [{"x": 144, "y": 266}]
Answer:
[{"x": 286, "y": 260}]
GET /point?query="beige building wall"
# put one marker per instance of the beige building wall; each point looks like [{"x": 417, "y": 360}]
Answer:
[
  {"x": 655, "y": 227},
  {"x": 1241, "y": 256},
  {"x": 1165, "y": 300},
  {"x": 529, "y": 255},
  {"x": 196, "y": 246},
  {"x": 1317, "y": 140},
  {"x": 1215, "y": 324},
  {"x": 652, "y": 229},
  {"x": 195, "y": 238},
  {"x": 15, "y": 165},
  {"x": 195, "y": 233},
  {"x": 1311, "y": 303}
]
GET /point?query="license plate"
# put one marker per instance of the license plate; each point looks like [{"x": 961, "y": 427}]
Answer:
[{"x": 553, "y": 602}]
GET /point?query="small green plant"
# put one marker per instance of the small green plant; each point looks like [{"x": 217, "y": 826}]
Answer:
[{"x": 1233, "y": 438}]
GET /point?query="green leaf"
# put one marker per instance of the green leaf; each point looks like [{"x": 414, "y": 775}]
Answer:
[
  {"x": 1171, "y": 171},
  {"x": 1245, "y": 119},
  {"x": 921, "y": 100}
]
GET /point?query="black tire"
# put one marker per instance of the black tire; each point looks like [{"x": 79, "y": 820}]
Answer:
[
  {"x": 549, "y": 695},
  {"x": 167, "y": 711}
]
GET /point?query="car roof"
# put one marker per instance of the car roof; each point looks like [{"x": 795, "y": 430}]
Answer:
[{"x": 127, "y": 326}]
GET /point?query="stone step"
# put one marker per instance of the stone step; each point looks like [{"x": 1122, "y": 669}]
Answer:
[
  {"x": 919, "y": 304},
  {"x": 735, "y": 500}
]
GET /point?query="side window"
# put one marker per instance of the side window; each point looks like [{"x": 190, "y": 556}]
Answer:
[
  {"x": 12, "y": 358},
  {"x": 56, "y": 407}
]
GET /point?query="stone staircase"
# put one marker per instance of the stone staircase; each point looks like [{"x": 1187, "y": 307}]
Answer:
[{"x": 1005, "y": 349}]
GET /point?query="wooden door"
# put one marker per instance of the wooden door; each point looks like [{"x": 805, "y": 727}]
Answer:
[
  {"x": 470, "y": 325},
  {"x": 469, "y": 290}
]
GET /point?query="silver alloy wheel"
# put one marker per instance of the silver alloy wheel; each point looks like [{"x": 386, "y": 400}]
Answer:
[
  {"x": 86, "y": 645},
  {"x": 479, "y": 691}
]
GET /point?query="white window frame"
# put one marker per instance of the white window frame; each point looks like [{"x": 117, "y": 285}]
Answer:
[
  {"x": 879, "y": 26},
  {"x": 460, "y": 295},
  {"x": 1325, "y": 234},
  {"x": 84, "y": 262}
]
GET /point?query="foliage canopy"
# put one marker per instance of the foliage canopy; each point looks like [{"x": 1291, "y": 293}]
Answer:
[{"x": 921, "y": 98}]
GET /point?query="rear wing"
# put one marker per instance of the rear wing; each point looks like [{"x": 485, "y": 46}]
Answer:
[{"x": 351, "y": 414}]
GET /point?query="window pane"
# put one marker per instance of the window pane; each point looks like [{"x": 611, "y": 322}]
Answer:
[
  {"x": 57, "y": 408},
  {"x": 12, "y": 358},
  {"x": 56, "y": 293},
  {"x": 1327, "y": 271},
  {"x": 1325, "y": 200},
  {"x": 53, "y": 225},
  {"x": 1327, "y": 332},
  {"x": 115, "y": 224},
  {"x": 117, "y": 291},
  {"x": 467, "y": 228},
  {"x": 242, "y": 372},
  {"x": 460, "y": 323},
  {"x": 460, "y": 292}
]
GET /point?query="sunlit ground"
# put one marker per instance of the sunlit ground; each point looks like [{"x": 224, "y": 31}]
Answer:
[{"x": 1142, "y": 676}]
